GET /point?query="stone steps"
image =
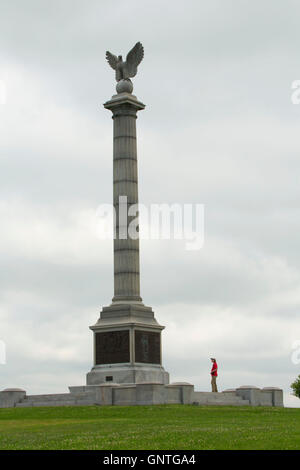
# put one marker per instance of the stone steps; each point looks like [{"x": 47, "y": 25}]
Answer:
[
  {"x": 223, "y": 403},
  {"x": 58, "y": 399},
  {"x": 48, "y": 397},
  {"x": 221, "y": 399},
  {"x": 69, "y": 402},
  {"x": 28, "y": 404}
]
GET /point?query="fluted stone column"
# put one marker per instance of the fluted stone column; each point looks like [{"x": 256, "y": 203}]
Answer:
[{"x": 125, "y": 180}]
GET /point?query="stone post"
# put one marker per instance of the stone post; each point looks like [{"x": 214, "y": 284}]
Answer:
[
  {"x": 277, "y": 395},
  {"x": 249, "y": 392},
  {"x": 11, "y": 396}
]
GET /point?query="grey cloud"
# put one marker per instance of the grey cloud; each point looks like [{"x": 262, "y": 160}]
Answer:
[{"x": 219, "y": 128}]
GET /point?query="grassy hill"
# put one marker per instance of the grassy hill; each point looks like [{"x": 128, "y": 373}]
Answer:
[{"x": 163, "y": 427}]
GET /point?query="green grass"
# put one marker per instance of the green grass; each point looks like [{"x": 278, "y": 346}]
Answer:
[{"x": 163, "y": 427}]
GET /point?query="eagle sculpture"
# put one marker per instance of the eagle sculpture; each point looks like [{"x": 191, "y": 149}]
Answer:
[{"x": 126, "y": 70}]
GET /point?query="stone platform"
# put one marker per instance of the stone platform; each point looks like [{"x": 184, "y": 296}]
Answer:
[{"x": 144, "y": 394}]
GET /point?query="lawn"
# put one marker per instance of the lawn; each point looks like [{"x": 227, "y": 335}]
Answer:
[{"x": 157, "y": 427}]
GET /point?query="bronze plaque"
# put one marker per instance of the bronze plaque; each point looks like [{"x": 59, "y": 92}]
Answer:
[
  {"x": 147, "y": 347},
  {"x": 112, "y": 347}
]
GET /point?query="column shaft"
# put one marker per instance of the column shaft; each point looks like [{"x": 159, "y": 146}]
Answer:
[{"x": 125, "y": 183}]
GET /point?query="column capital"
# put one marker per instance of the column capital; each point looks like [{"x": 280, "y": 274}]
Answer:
[{"x": 122, "y": 100}]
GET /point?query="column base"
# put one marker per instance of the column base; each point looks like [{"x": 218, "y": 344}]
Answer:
[
  {"x": 127, "y": 346},
  {"x": 127, "y": 299},
  {"x": 127, "y": 374}
]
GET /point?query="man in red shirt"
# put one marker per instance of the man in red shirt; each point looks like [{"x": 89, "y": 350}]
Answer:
[{"x": 214, "y": 374}]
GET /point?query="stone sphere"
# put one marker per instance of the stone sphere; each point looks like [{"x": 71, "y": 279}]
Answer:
[{"x": 124, "y": 86}]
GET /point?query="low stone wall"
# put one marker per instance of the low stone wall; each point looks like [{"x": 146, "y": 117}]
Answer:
[{"x": 147, "y": 393}]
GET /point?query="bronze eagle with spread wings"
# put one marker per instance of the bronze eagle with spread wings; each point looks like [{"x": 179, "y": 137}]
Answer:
[{"x": 127, "y": 69}]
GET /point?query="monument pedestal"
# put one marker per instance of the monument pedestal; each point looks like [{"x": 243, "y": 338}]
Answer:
[{"x": 127, "y": 346}]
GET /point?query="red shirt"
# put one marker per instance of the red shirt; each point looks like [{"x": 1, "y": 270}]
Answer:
[{"x": 214, "y": 369}]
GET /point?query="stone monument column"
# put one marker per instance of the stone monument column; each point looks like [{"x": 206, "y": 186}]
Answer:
[
  {"x": 125, "y": 194},
  {"x": 127, "y": 337}
]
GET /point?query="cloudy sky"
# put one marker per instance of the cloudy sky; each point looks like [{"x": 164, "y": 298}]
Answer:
[{"x": 219, "y": 129}]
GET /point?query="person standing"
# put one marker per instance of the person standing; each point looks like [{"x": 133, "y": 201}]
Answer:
[{"x": 214, "y": 374}]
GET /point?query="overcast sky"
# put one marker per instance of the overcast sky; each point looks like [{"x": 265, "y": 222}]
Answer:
[{"x": 219, "y": 129}]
